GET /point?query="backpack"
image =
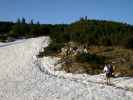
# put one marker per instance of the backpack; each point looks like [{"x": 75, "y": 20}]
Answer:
[{"x": 110, "y": 69}]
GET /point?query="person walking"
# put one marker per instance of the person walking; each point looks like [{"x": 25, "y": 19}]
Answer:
[{"x": 108, "y": 70}]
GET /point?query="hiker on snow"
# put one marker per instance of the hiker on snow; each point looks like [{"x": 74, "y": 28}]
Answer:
[{"x": 108, "y": 70}]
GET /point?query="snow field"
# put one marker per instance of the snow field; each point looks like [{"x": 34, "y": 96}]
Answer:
[{"x": 25, "y": 77}]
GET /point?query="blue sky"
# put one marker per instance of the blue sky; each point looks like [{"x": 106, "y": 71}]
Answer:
[{"x": 66, "y": 11}]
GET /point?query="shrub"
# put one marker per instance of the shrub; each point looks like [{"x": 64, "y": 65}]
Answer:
[
  {"x": 130, "y": 66},
  {"x": 53, "y": 48}
]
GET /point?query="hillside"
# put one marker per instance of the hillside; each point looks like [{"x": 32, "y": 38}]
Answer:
[
  {"x": 84, "y": 31},
  {"x": 23, "y": 76},
  {"x": 92, "y": 60},
  {"x": 113, "y": 41}
]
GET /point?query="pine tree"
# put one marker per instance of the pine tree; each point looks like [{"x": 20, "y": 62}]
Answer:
[{"x": 23, "y": 21}]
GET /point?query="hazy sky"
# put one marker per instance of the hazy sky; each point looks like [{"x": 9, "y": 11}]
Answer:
[{"x": 66, "y": 11}]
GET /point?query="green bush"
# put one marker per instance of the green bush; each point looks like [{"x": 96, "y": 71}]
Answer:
[
  {"x": 53, "y": 48},
  {"x": 130, "y": 66}
]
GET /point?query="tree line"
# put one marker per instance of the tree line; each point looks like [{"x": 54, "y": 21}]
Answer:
[{"x": 83, "y": 31}]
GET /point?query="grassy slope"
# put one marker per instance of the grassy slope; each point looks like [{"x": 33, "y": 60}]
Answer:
[{"x": 121, "y": 58}]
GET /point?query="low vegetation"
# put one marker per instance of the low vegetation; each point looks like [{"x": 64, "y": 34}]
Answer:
[{"x": 83, "y": 31}]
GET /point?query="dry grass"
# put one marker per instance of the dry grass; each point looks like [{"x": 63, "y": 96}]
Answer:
[{"x": 121, "y": 58}]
